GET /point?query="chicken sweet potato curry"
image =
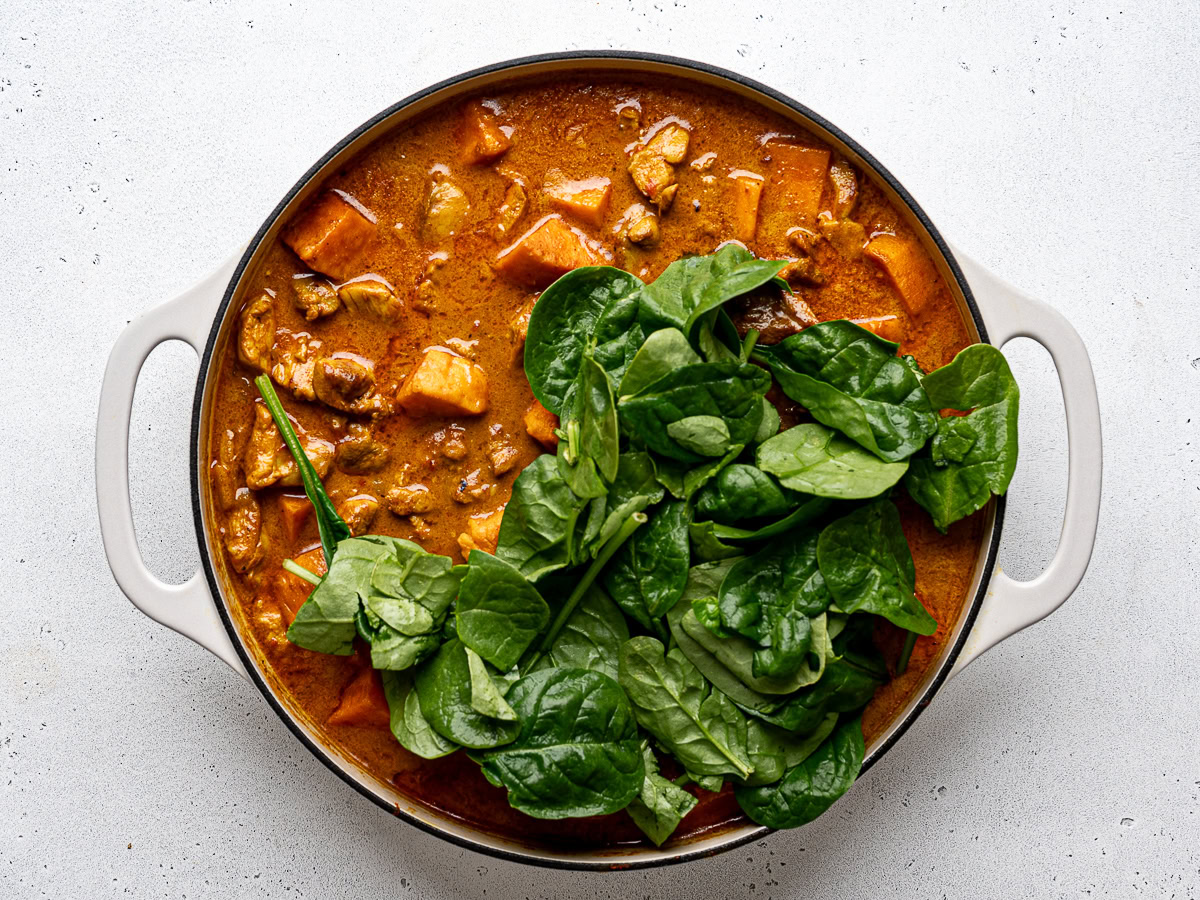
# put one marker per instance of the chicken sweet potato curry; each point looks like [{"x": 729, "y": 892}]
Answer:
[{"x": 604, "y": 451}]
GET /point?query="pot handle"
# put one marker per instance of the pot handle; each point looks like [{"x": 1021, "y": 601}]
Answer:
[
  {"x": 187, "y": 608},
  {"x": 1013, "y": 605}
]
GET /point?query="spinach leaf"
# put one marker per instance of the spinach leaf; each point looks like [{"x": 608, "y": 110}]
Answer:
[
  {"x": 634, "y": 489},
  {"x": 702, "y": 435},
  {"x": 810, "y": 510},
  {"x": 410, "y": 589},
  {"x": 851, "y": 379},
  {"x": 444, "y": 693},
  {"x": 391, "y": 650},
  {"x": 773, "y": 750},
  {"x": 691, "y": 287},
  {"x": 563, "y": 321},
  {"x": 538, "y": 528},
  {"x": 973, "y": 456},
  {"x": 660, "y": 805},
  {"x": 587, "y": 454},
  {"x": 648, "y": 574},
  {"x": 499, "y": 613},
  {"x": 706, "y": 546},
  {"x": 590, "y": 639},
  {"x": 672, "y": 701},
  {"x": 868, "y": 567},
  {"x": 325, "y": 621},
  {"x": 409, "y": 727},
  {"x": 578, "y": 751},
  {"x": 845, "y": 686},
  {"x": 769, "y": 426},
  {"x": 663, "y": 352},
  {"x": 486, "y": 697},
  {"x": 741, "y": 491},
  {"x": 730, "y": 391},
  {"x": 812, "y": 786},
  {"x": 330, "y": 525},
  {"x": 817, "y": 460}
]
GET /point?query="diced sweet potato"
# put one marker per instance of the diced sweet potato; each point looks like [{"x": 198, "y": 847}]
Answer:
[
  {"x": 747, "y": 189},
  {"x": 291, "y": 590},
  {"x": 586, "y": 199},
  {"x": 482, "y": 138},
  {"x": 890, "y": 328},
  {"x": 294, "y": 510},
  {"x": 483, "y": 532},
  {"x": 545, "y": 252},
  {"x": 909, "y": 270},
  {"x": 540, "y": 423},
  {"x": 330, "y": 235},
  {"x": 797, "y": 179},
  {"x": 443, "y": 384},
  {"x": 363, "y": 702}
]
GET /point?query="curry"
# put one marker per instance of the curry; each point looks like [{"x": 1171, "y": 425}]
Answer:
[{"x": 391, "y": 315}]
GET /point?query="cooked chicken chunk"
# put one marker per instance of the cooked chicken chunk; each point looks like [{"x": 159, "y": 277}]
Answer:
[
  {"x": 409, "y": 500},
  {"x": 644, "y": 230},
  {"x": 226, "y": 469},
  {"x": 359, "y": 453},
  {"x": 446, "y": 209},
  {"x": 501, "y": 453},
  {"x": 243, "y": 532},
  {"x": 802, "y": 271},
  {"x": 371, "y": 295},
  {"x": 550, "y": 249},
  {"x": 346, "y": 382},
  {"x": 256, "y": 332},
  {"x": 483, "y": 138},
  {"x": 845, "y": 189},
  {"x": 294, "y": 357},
  {"x": 358, "y": 512},
  {"x": 331, "y": 235},
  {"x": 268, "y": 460},
  {"x": 847, "y": 236},
  {"x": 314, "y": 296},
  {"x": 511, "y": 210},
  {"x": 483, "y": 532},
  {"x": 652, "y": 166},
  {"x": 540, "y": 423},
  {"x": 519, "y": 326},
  {"x": 450, "y": 442},
  {"x": 774, "y": 314},
  {"x": 443, "y": 384},
  {"x": 585, "y": 199}
]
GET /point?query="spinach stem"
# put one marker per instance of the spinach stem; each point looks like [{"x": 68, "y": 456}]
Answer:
[
  {"x": 290, "y": 565},
  {"x": 906, "y": 652},
  {"x": 748, "y": 344},
  {"x": 606, "y": 552}
]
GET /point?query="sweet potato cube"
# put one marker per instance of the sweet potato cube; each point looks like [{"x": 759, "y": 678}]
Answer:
[
  {"x": 540, "y": 423},
  {"x": 330, "y": 235},
  {"x": 443, "y": 384},
  {"x": 890, "y": 328},
  {"x": 482, "y": 138},
  {"x": 542, "y": 254},
  {"x": 363, "y": 702},
  {"x": 294, "y": 510},
  {"x": 290, "y": 590},
  {"x": 483, "y": 532},
  {"x": 747, "y": 189},
  {"x": 908, "y": 269},
  {"x": 798, "y": 178},
  {"x": 586, "y": 199}
]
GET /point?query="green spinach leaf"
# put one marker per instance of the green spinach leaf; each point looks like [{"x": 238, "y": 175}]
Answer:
[
  {"x": 810, "y": 510},
  {"x": 325, "y": 621},
  {"x": 587, "y": 454},
  {"x": 499, "y": 612},
  {"x": 444, "y": 693},
  {"x": 590, "y": 639},
  {"x": 663, "y": 352},
  {"x": 774, "y": 750},
  {"x": 647, "y": 575},
  {"x": 660, "y": 805},
  {"x": 817, "y": 460},
  {"x": 409, "y": 727},
  {"x": 741, "y": 491},
  {"x": 487, "y": 699},
  {"x": 538, "y": 528}
]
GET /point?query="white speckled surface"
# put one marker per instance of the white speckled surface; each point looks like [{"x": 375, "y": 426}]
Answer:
[{"x": 1056, "y": 141}]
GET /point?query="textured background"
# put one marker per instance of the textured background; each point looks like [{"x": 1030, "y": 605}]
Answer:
[{"x": 1056, "y": 141}]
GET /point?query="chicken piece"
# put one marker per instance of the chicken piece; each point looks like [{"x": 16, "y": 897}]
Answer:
[
  {"x": 358, "y": 512},
  {"x": 371, "y": 295},
  {"x": 511, "y": 210},
  {"x": 797, "y": 179},
  {"x": 226, "y": 469},
  {"x": 518, "y": 328},
  {"x": 483, "y": 532},
  {"x": 550, "y": 249},
  {"x": 358, "y": 453},
  {"x": 446, "y": 209},
  {"x": 268, "y": 460},
  {"x": 314, "y": 296},
  {"x": 774, "y": 314},
  {"x": 652, "y": 166},
  {"x": 644, "y": 230},
  {"x": 449, "y": 442},
  {"x": 802, "y": 239},
  {"x": 243, "y": 533},
  {"x": 802, "y": 272},
  {"x": 586, "y": 199},
  {"x": 346, "y": 381},
  {"x": 290, "y": 590},
  {"x": 844, "y": 189},
  {"x": 472, "y": 487},
  {"x": 540, "y": 423},
  {"x": 747, "y": 189},
  {"x": 256, "y": 332},
  {"x": 409, "y": 500},
  {"x": 502, "y": 454},
  {"x": 294, "y": 510},
  {"x": 331, "y": 234},
  {"x": 483, "y": 138},
  {"x": 363, "y": 703},
  {"x": 908, "y": 269},
  {"x": 890, "y": 328},
  {"x": 847, "y": 236},
  {"x": 443, "y": 384},
  {"x": 294, "y": 357}
]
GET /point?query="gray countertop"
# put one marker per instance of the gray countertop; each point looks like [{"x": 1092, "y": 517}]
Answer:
[{"x": 1058, "y": 142}]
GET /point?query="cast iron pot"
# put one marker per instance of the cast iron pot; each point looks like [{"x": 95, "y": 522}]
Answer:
[{"x": 205, "y": 317}]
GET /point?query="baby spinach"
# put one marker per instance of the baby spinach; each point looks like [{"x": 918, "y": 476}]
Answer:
[
  {"x": 810, "y": 510},
  {"x": 663, "y": 352},
  {"x": 974, "y": 456},
  {"x": 810, "y": 787},
  {"x": 391, "y": 650},
  {"x": 671, "y": 700},
  {"x": 538, "y": 529},
  {"x": 444, "y": 693},
  {"x": 590, "y": 639},
  {"x": 634, "y": 489},
  {"x": 774, "y": 750},
  {"x": 730, "y": 391},
  {"x": 851, "y": 379},
  {"x": 741, "y": 491},
  {"x": 499, "y": 612},
  {"x": 590, "y": 445},
  {"x": 817, "y": 460},
  {"x": 410, "y": 589},
  {"x": 563, "y": 320},
  {"x": 706, "y": 546},
  {"x": 408, "y": 726},
  {"x": 487, "y": 698},
  {"x": 660, "y": 805},
  {"x": 577, "y": 752},
  {"x": 647, "y": 576},
  {"x": 325, "y": 621},
  {"x": 867, "y": 566}
]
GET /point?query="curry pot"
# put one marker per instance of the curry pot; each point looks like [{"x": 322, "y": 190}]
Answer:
[{"x": 996, "y": 606}]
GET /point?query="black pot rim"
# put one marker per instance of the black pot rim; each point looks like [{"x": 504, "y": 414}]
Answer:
[{"x": 595, "y": 861}]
